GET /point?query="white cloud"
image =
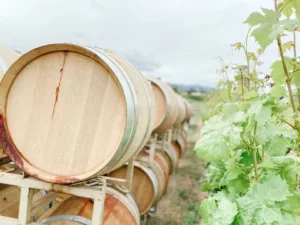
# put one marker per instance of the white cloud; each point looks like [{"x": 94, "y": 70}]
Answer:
[{"x": 179, "y": 40}]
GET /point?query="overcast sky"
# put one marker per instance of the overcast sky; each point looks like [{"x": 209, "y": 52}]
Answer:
[{"x": 178, "y": 40}]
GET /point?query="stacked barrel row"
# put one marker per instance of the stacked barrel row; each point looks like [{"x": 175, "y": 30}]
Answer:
[{"x": 69, "y": 113}]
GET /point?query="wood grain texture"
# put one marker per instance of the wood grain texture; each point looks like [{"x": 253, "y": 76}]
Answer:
[
  {"x": 161, "y": 104},
  {"x": 68, "y": 112},
  {"x": 57, "y": 108},
  {"x": 167, "y": 109},
  {"x": 189, "y": 110},
  {"x": 117, "y": 210},
  {"x": 144, "y": 124},
  {"x": 182, "y": 111},
  {"x": 161, "y": 161},
  {"x": 175, "y": 148},
  {"x": 167, "y": 160},
  {"x": 9, "y": 201},
  {"x": 158, "y": 169},
  {"x": 143, "y": 189}
]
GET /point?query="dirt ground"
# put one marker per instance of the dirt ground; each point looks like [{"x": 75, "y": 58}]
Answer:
[{"x": 179, "y": 206}]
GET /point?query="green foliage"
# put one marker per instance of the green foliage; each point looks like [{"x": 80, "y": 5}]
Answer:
[
  {"x": 251, "y": 140},
  {"x": 196, "y": 98},
  {"x": 191, "y": 219},
  {"x": 183, "y": 195},
  {"x": 217, "y": 211},
  {"x": 269, "y": 26}
]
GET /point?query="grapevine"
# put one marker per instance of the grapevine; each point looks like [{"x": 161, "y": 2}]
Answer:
[{"x": 251, "y": 142}]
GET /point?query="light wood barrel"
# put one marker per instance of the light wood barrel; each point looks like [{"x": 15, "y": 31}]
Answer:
[
  {"x": 176, "y": 151},
  {"x": 189, "y": 110},
  {"x": 68, "y": 112},
  {"x": 145, "y": 185},
  {"x": 167, "y": 160},
  {"x": 171, "y": 157},
  {"x": 182, "y": 111},
  {"x": 159, "y": 161},
  {"x": 9, "y": 200},
  {"x": 7, "y": 58},
  {"x": 166, "y": 105},
  {"x": 159, "y": 172},
  {"x": 162, "y": 159},
  {"x": 119, "y": 209}
]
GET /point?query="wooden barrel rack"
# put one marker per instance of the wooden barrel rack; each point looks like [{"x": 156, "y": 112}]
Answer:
[
  {"x": 95, "y": 189},
  {"x": 151, "y": 125}
]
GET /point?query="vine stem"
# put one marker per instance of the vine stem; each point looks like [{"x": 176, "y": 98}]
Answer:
[
  {"x": 255, "y": 164},
  {"x": 255, "y": 152},
  {"x": 283, "y": 120},
  {"x": 242, "y": 76},
  {"x": 247, "y": 56},
  {"x": 289, "y": 85},
  {"x": 245, "y": 48},
  {"x": 295, "y": 56},
  {"x": 287, "y": 77},
  {"x": 285, "y": 5}
]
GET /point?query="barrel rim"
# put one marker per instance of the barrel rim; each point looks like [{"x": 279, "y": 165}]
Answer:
[
  {"x": 180, "y": 118},
  {"x": 148, "y": 128},
  {"x": 5, "y": 137},
  {"x": 111, "y": 190},
  {"x": 168, "y": 98},
  {"x": 131, "y": 135}
]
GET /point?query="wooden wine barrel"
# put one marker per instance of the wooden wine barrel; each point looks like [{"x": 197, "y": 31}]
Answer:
[
  {"x": 182, "y": 142},
  {"x": 159, "y": 169},
  {"x": 68, "y": 112},
  {"x": 189, "y": 110},
  {"x": 144, "y": 93},
  {"x": 9, "y": 200},
  {"x": 145, "y": 185},
  {"x": 7, "y": 58},
  {"x": 119, "y": 209},
  {"x": 165, "y": 163},
  {"x": 182, "y": 111},
  {"x": 10, "y": 195},
  {"x": 159, "y": 161},
  {"x": 171, "y": 157},
  {"x": 176, "y": 151},
  {"x": 167, "y": 160},
  {"x": 166, "y": 105}
]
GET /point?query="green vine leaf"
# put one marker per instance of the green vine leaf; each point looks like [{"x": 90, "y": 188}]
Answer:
[
  {"x": 277, "y": 72},
  {"x": 286, "y": 7},
  {"x": 217, "y": 212},
  {"x": 297, "y": 8},
  {"x": 255, "y": 18},
  {"x": 288, "y": 46},
  {"x": 269, "y": 26},
  {"x": 296, "y": 78},
  {"x": 259, "y": 206},
  {"x": 277, "y": 91}
]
